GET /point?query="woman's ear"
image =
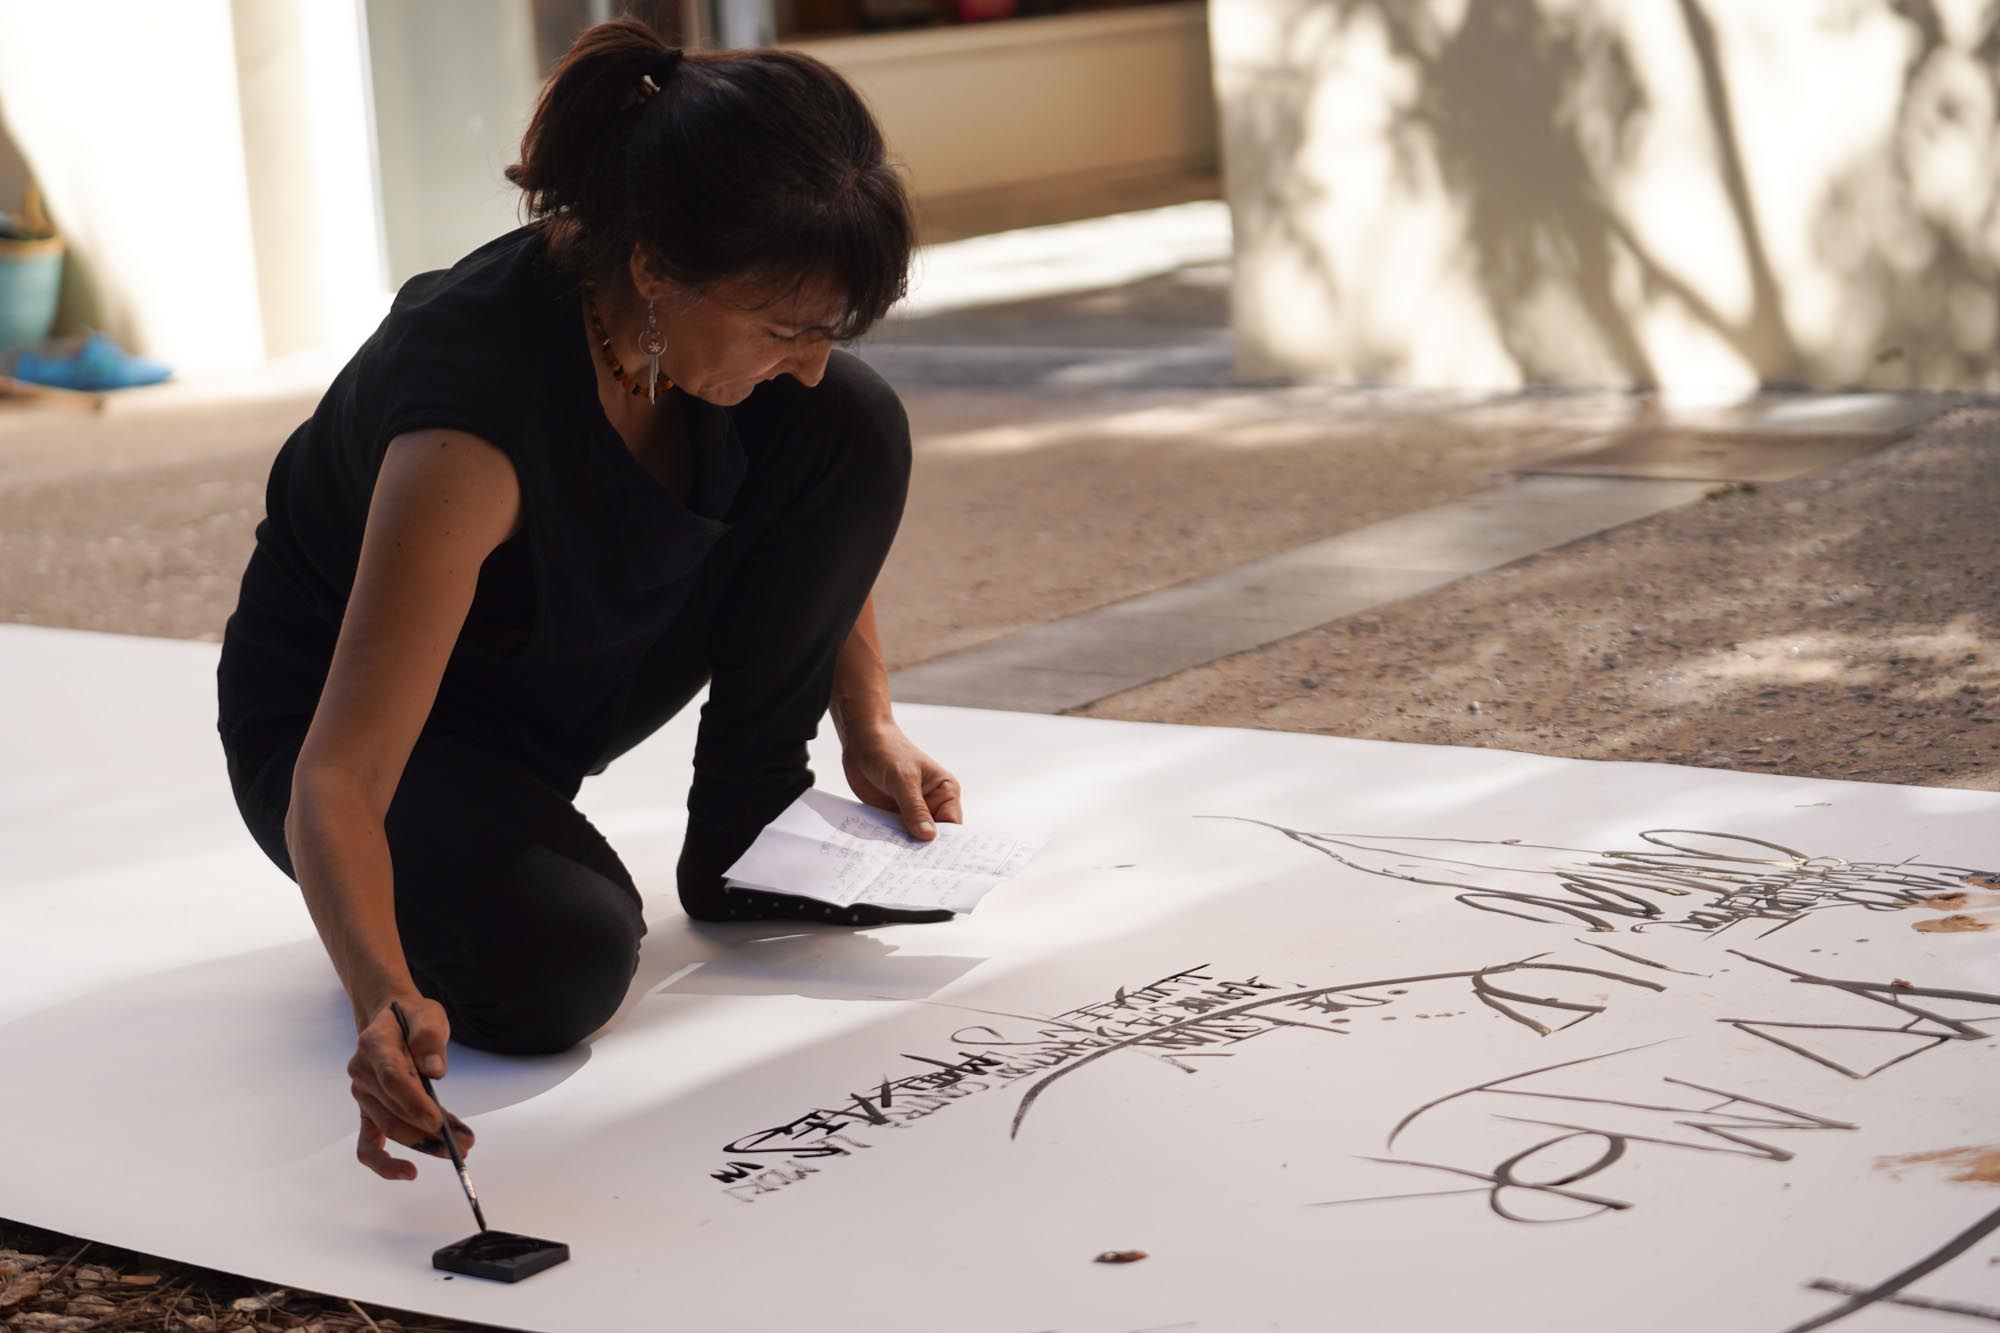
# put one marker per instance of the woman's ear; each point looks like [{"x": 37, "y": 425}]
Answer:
[{"x": 647, "y": 279}]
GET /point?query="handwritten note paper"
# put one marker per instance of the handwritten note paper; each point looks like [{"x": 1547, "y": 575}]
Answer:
[{"x": 843, "y": 852}]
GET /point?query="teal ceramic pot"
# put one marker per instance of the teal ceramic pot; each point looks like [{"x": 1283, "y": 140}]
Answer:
[{"x": 30, "y": 278}]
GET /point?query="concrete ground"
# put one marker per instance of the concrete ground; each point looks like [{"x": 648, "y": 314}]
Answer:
[{"x": 1103, "y": 521}]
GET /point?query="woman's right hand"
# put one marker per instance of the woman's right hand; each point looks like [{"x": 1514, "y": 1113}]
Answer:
[{"x": 384, "y": 1082}]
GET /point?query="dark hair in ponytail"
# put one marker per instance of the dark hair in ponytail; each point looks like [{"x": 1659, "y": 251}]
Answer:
[{"x": 760, "y": 166}]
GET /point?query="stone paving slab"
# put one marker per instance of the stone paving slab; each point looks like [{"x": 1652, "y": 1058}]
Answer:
[
  {"x": 1074, "y": 662},
  {"x": 1129, "y": 644},
  {"x": 1692, "y": 456},
  {"x": 963, "y": 676},
  {"x": 1765, "y": 438},
  {"x": 1817, "y": 414},
  {"x": 1277, "y": 590},
  {"x": 1496, "y": 527}
]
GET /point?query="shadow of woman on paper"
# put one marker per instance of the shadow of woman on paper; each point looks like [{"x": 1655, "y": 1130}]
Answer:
[
  {"x": 242, "y": 1058},
  {"x": 683, "y": 957}
]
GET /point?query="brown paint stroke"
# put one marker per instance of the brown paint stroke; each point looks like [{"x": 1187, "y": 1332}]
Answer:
[
  {"x": 1953, "y": 924},
  {"x": 1957, "y": 898},
  {"x": 1978, "y": 1165}
]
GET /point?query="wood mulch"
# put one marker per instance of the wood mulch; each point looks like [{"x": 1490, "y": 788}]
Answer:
[{"x": 51, "y": 1283}]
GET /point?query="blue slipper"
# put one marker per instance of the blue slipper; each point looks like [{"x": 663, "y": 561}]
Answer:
[{"x": 95, "y": 364}]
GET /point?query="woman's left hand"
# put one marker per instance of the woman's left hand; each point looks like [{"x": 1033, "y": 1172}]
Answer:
[{"x": 890, "y": 773}]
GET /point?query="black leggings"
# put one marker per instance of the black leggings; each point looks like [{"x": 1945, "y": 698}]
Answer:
[{"x": 515, "y": 914}]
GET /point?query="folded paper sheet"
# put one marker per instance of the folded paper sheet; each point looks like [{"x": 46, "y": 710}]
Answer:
[
  {"x": 843, "y": 852},
  {"x": 1343, "y": 1035}
]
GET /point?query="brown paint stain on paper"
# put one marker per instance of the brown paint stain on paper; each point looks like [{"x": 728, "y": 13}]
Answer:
[
  {"x": 1977, "y": 1165},
  {"x": 1957, "y": 921},
  {"x": 1983, "y": 881},
  {"x": 1944, "y": 902}
]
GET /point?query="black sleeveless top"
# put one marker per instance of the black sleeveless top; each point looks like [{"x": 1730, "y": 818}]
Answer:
[{"x": 603, "y": 562}]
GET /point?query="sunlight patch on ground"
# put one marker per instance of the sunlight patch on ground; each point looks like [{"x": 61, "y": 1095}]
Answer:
[
  {"x": 1247, "y": 419},
  {"x": 1847, "y": 659},
  {"x": 1069, "y": 257},
  {"x": 1243, "y": 420}
]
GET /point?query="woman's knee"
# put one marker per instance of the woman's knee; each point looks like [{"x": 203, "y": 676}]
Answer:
[
  {"x": 539, "y": 961},
  {"x": 261, "y": 779},
  {"x": 538, "y": 974}
]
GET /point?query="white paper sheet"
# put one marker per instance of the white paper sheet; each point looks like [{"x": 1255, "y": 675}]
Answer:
[
  {"x": 1318, "y": 1024},
  {"x": 839, "y": 851}
]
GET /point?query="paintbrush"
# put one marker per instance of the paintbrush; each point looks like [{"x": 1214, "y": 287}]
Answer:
[
  {"x": 450, "y": 1143},
  {"x": 503, "y": 1256}
]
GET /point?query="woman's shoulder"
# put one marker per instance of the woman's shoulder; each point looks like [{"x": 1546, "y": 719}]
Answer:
[
  {"x": 468, "y": 348},
  {"x": 503, "y": 283}
]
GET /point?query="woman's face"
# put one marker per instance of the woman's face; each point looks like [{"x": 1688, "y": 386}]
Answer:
[{"x": 725, "y": 341}]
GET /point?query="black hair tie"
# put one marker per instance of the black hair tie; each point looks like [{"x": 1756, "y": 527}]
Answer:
[{"x": 661, "y": 69}]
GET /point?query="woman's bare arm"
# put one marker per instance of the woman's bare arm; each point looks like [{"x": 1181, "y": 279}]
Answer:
[
  {"x": 883, "y": 767},
  {"x": 860, "y": 681},
  {"x": 443, "y": 501}
]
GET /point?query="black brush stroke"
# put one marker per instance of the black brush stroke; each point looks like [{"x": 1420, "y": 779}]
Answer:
[
  {"x": 1889, "y": 1287},
  {"x": 1635, "y": 958},
  {"x": 1042, "y": 1084},
  {"x": 1783, "y": 887},
  {"x": 1436, "y": 1102},
  {"x": 1914, "y": 1302}
]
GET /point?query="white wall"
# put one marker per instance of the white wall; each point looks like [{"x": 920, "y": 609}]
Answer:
[
  {"x": 308, "y": 145},
  {"x": 454, "y": 84},
  {"x": 210, "y": 170},
  {"x": 1699, "y": 193},
  {"x": 127, "y": 113},
  {"x": 13, "y": 171}
]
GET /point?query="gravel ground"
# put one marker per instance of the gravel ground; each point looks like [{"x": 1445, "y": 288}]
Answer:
[
  {"x": 1842, "y": 625},
  {"x": 138, "y": 519}
]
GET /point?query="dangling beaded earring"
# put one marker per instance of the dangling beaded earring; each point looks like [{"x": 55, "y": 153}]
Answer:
[{"x": 652, "y": 342}]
